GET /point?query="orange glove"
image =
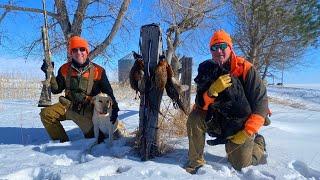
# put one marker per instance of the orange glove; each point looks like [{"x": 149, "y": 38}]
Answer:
[
  {"x": 207, "y": 100},
  {"x": 254, "y": 123}
]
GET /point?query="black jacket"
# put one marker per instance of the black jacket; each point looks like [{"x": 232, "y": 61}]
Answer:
[{"x": 230, "y": 110}]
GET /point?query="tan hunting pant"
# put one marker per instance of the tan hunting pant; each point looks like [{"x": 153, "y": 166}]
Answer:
[
  {"x": 52, "y": 116},
  {"x": 249, "y": 153}
]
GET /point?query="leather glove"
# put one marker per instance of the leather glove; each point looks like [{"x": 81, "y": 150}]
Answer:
[
  {"x": 44, "y": 66},
  {"x": 240, "y": 137},
  {"x": 114, "y": 115},
  {"x": 77, "y": 106},
  {"x": 219, "y": 85}
]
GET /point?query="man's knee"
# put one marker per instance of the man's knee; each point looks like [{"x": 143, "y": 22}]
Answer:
[
  {"x": 238, "y": 165},
  {"x": 240, "y": 156},
  {"x": 195, "y": 119},
  {"x": 49, "y": 115},
  {"x": 46, "y": 115},
  {"x": 240, "y": 160}
]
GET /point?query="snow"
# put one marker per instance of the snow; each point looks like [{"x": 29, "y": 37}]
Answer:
[{"x": 27, "y": 153}]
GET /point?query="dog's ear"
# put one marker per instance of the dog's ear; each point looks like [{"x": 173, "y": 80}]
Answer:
[{"x": 110, "y": 102}]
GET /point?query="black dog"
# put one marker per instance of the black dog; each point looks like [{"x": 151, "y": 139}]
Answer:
[{"x": 230, "y": 110}]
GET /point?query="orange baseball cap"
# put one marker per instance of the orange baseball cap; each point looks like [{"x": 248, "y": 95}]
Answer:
[
  {"x": 77, "y": 42},
  {"x": 219, "y": 37}
]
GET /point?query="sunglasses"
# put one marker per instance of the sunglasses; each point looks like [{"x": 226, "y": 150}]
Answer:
[
  {"x": 75, "y": 50},
  {"x": 221, "y": 46}
]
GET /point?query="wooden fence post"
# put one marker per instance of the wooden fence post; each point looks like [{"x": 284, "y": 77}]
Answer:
[
  {"x": 150, "y": 47},
  {"x": 186, "y": 75}
]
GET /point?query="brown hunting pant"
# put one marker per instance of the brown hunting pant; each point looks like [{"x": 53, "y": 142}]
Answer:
[
  {"x": 239, "y": 156},
  {"x": 52, "y": 116}
]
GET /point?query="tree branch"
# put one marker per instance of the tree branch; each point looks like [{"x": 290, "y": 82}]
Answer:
[
  {"x": 101, "y": 47},
  {"x": 63, "y": 18},
  {"x": 79, "y": 17},
  {"x": 26, "y": 9},
  {"x": 4, "y": 15}
]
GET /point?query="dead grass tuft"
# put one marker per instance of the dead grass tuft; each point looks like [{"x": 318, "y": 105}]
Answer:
[{"x": 171, "y": 125}]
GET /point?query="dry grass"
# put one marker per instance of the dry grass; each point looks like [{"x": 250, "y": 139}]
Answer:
[
  {"x": 18, "y": 86},
  {"x": 287, "y": 103},
  {"x": 171, "y": 125},
  {"x": 123, "y": 91},
  {"x": 22, "y": 86}
]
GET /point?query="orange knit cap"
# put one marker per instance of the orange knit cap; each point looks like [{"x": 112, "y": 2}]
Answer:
[
  {"x": 77, "y": 42},
  {"x": 219, "y": 37}
]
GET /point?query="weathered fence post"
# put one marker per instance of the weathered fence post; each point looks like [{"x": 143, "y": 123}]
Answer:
[
  {"x": 150, "y": 47},
  {"x": 186, "y": 75}
]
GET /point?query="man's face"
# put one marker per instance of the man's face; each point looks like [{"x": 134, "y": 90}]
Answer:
[
  {"x": 220, "y": 52},
  {"x": 79, "y": 54}
]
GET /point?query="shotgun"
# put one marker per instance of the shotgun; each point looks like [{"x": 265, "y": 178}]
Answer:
[{"x": 45, "y": 97}]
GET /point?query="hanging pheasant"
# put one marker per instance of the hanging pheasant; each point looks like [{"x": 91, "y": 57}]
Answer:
[
  {"x": 164, "y": 79},
  {"x": 137, "y": 73},
  {"x": 160, "y": 74}
]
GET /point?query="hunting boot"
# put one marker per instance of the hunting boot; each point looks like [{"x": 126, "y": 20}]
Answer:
[
  {"x": 192, "y": 170},
  {"x": 259, "y": 150},
  {"x": 259, "y": 139},
  {"x": 267, "y": 121}
]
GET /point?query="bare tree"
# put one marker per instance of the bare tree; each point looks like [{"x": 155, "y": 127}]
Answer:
[
  {"x": 183, "y": 16},
  {"x": 274, "y": 33},
  {"x": 87, "y": 15}
]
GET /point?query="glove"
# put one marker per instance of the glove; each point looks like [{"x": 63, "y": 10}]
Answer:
[
  {"x": 240, "y": 137},
  {"x": 207, "y": 101},
  {"x": 219, "y": 85},
  {"x": 77, "y": 106},
  {"x": 114, "y": 115},
  {"x": 44, "y": 66}
]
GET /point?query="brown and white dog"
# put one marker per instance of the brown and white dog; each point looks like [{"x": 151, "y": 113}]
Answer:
[{"x": 101, "y": 116}]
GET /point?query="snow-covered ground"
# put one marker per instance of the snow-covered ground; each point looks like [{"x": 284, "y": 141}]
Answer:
[{"x": 26, "y": 153}]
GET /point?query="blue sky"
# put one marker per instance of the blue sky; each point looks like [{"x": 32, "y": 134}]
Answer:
[{"x": 21, "y": 30}]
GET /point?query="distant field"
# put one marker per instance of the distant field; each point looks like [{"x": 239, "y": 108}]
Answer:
[{"x": 304, "y": 86}]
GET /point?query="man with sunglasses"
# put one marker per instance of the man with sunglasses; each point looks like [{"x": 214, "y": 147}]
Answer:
[
  {"x": 81, "y": 79},
  {"x": 245, "y": 147}
]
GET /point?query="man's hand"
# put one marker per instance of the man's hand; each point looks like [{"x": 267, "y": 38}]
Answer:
[
  {"x": 240, "y": 137},
  {"x": 219, "y": 85},
  {"x": 44, "y": 66}
]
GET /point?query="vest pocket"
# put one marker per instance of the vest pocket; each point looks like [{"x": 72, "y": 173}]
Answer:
[{"x": 83, "y": 84}]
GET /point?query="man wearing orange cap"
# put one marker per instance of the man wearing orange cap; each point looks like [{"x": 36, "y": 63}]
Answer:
[
  {"x": 246, "y": 147},
  {"x": 81, "y": 79}
]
